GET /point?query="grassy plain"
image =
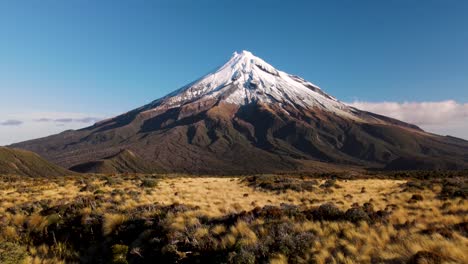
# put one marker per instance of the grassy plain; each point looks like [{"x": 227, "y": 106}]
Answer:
[{"x": 254, "y": 219}]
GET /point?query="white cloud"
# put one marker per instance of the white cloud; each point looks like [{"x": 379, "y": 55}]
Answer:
[
  {"x": 17, "y": 127},
  {"x": 444, "y": 117},
  {"x": 11, "y": 122}
]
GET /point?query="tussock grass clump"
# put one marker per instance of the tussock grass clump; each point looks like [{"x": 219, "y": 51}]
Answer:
[
  {"x": 112, "y": 222},
  {"x": 9, "y": 233}
]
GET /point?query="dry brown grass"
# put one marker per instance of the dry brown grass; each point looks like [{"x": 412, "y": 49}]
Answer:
[{"x": 412, "y": 227}]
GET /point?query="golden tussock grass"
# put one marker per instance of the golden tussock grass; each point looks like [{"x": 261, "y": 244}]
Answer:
[
  {"x": 112, "y": 222},
  {"x": 411, "y": 227}
]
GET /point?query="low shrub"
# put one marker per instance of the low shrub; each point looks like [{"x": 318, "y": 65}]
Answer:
[
  {"x": 328, "y": 211},
  {"x": 12, "y": 253},
  {"x": 453, "y": 188},
  {"x": 426, "y": 257},
  {"x": 119, "y": 254},
  {"x": 89, "y": 188},
  {"x": 416, "y": 197},
  {"x": 281, "y": 183},
  {"x": 149, "y": 183},
  {"x": 328, "y": 183},
  {"x": 356, "y": 215}
]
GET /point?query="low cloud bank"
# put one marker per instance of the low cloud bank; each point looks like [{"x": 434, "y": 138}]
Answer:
[
  {"x": 19, "y": 127},
  {"x": 88, "y": 119},
  {"x": 11, "y": 122},
  {"x": 444, "y": 117}
]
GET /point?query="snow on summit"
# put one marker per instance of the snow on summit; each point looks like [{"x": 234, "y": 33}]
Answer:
[{"x": 246, "y": 79}]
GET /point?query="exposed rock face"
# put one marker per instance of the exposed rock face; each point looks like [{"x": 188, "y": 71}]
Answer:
[{"x": 249, "y": 117}]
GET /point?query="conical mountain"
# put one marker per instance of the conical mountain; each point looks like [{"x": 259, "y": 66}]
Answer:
[{"x": 248, "y": 117}]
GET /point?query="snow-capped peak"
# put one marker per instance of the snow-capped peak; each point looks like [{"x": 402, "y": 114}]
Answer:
[
  {"x": 244, "y": 62},
  {"x": 245, "y": 79}
]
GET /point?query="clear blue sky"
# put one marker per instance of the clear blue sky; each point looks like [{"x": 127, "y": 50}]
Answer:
[
  {"x": 115, "y": 55},
  {"x": 112, "y": 56}
]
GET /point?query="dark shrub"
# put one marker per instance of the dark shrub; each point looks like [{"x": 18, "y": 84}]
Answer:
[
  {"x": 89, "y": 188},
  {"x": 99, "y": 191},
  {"x": 417, "y": 197},
  {"x": 280, "y": 183},
  {"x": 453, "y": 188},
  {"x": 242, "y": 256},
  {"x": 328, "y": 183},
  {"x": 443, "y": 231},
  {"x": 356, "y": 215},
  {"x": 327, "y": 211},
  {"x": 149, "y": 183},
  {"x": 425, "y": 257},
  {"x": 461, "y": 228},
  {"x": 368, "y": 208},
  {"x": 414, "y": 186},
  {"x": 109, "y": 181},
  {"x": 119, "y": 192}
]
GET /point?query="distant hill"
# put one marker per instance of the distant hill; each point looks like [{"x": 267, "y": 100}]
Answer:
[
  {"x": 124, "y": 161},
  {"x": 27, "y": 163},
  {"x": 424, "y": 163}
]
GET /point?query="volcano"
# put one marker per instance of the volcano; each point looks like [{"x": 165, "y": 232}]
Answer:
[{"x": 248, "y": 117}]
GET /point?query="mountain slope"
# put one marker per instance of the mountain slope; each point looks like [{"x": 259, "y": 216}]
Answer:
[
  {"x": 26, "y": 163},
  {"x": 247, "y": 117},
  {"x": 124, "y": 161}
]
